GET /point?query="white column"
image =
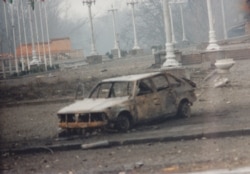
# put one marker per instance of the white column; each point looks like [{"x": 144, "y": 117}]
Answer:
[
  {"x": 41, "y": 23},
  {"x": 14, "y": 37},
  {"x": 37, "y": 36},
  {"x": 172, "y": 24},
  {"x": 20, "y": 36},
  {"x": 136, "y": 46},
  {"x": 116, "y": 43},
  {"x": 47, "y": 29},
  {"x": 7, "y": 33},
  {"x": 212, "y": 38},
  {"x": 170, "y": 56},
  {"x": 25, "y": 36},
  {"x": 184, "y": 38},
  {"x": 223, "y": 19},
  {"x": 34, "y": 61},
  {"x": 93, "y": 48},
  {"x": 114, "y": 27},
  {"x": 3, "y": 68}
]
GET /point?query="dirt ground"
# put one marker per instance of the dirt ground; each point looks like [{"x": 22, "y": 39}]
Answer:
[{"x": 25, "y": 123}]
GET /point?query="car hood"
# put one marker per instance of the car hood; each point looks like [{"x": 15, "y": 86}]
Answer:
[{"x": 92, "y": 105}]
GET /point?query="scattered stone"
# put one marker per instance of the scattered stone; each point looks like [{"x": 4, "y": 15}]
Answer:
[
  {"x": 171, "y": 169},
  {"x": 4, "y": 167},
  {"x": 202, "y": 100},
  {"x": 47, "y": 166},
  {"x": 122, "y": 173},
  {"x": 5, "y": 154},
  {"x": 133, "y": 130},
  {"x": 100, "y": 166},
  {"x": 111, "y": 153},
  {"x": 104, "y": 70},
  {"x": 51, "y": 75},
  {"x": 104, "y": 143},
  {"x": 128, "y": 167},
  {"x": 139, "y": 164},
  {"x": 203, "y": 138},
  {"x": 155, "y": 127},
  {"x": 221, "y": 82}
]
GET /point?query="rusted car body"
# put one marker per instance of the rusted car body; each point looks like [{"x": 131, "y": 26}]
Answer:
[{"x": 124, "y": 101}]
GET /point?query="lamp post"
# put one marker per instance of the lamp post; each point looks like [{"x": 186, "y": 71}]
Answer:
[
  {"x": 41, "y": 23},
  {"x": 172, "y": 23},
  {"x": 170, "y": 56},
  {"x": 133, "y": 3},
  {"x": 184, "y": 37},
  {"x": 224, "y": 18},
  {"x": 116, "y": 43},
  {"x": 34, "y": 60},
  {"x": 20, "y": 36},
  {"x": 7, "y": 33},
  {"x": 212, "y": 38},
  {"x": 37, "y": 36},
  {"x": 14, "y": 36},
  {"x": 25, "y": 36},
  {"x": 47, "y": 31},
  {"x": 181, "y": 3},
  {"x": 89, "y": 4}
]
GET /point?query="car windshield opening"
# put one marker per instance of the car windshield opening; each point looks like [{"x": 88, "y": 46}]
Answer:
[{"x": 112, "y": 89}]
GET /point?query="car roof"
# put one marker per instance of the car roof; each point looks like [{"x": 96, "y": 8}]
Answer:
[{"x": 134, "y": 77}]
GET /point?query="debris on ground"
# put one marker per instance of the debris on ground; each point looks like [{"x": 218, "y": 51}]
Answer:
[{"x": 104, "y": 143}]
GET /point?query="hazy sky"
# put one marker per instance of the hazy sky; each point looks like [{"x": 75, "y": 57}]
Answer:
[{"x": 99, "y": 8}]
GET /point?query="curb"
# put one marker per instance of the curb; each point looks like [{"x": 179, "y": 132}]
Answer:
[
  {"x": 37, "y": 102},
  {"x": 122, "y": 142}
]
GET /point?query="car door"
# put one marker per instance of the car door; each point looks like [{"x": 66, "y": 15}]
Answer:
[
  {"x": 147, "y": 101},
  {"x": 166, "y": 95}
]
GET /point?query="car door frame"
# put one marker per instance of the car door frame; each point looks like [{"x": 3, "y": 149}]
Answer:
[
  {"x": 168, "y": 103},
  {"x": 147, "y": 105}
]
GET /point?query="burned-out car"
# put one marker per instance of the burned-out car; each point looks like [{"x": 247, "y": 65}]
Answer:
[{"x": 124, "y": 101}]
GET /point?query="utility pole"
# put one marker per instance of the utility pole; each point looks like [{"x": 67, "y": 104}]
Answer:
[
  {"x": 116, "y": 43},
  {"x": 89, "y": 4}
]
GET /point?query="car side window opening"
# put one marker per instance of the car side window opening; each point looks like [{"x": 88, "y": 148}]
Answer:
[
  {"x": 102, "y": 91},
  {"x": 121, "y": 89},
  {"x": 160, "y": 82},
  {"x": 173, "y": 82},
  {"x": 144, "y": 87}
]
